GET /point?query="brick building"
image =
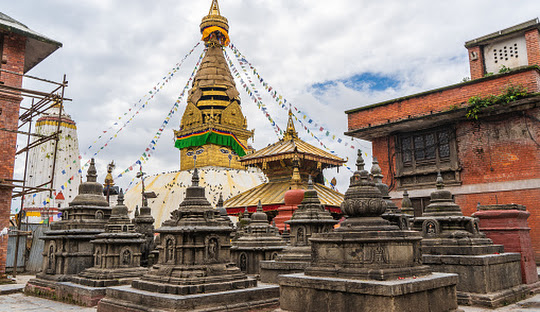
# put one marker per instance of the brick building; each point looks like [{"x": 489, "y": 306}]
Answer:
[
  {"x": 490, "y": 157},
  {"x": 20, "y": 49}
]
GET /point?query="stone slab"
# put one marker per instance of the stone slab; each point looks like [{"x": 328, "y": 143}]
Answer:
[
  {"x": 435, "y": 292},
  {"x": 11, "y": 289},
  {"x": 129, "y": 299},
  {"x": 479, "y": 274},
  {"x": 494, "y": 299},
  {"x": 66, "y": 292},
  {"x": 270, "y": 270}
]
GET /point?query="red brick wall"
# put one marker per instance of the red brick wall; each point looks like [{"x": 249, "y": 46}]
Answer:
[
  {"x": 476, "y": 66},
  {"x": 496, "y": 150},
  {"x": 443, "y": 100},
  {"x": 532, "y": 39},
  {"x": 500, "y": 149},
  {"x": 14, "y": 49}
]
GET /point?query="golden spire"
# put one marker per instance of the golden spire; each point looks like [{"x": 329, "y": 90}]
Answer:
[
  {"x": 214, "y": 27},
  {"x": 214, "y": 8},
  {"x": 290, "y": 133}
]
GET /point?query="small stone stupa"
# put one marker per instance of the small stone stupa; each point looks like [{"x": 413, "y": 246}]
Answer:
[
  {"x": 406, "y": 204},
  {"x": 308, "y": 219},
  {"x": 67, "y": 247},
  {"x": 258, "y": 241},
  {"x": 453, "y": 243},
  {"x": 367, "y": 264},
  {"x": 144, "y": 224},
  {"x": 194, "y": 267},
  {"x": 392, "y": 213},
  {"x": 117, "y": 252}
]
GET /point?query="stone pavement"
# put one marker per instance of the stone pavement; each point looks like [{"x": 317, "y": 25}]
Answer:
[{"x": 19, "y": 302}]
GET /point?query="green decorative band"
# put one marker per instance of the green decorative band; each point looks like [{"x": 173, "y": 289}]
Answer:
[{"x": 213, "y": 136}]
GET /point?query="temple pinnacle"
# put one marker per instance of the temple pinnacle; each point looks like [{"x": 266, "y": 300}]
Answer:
[
  {"x": 195, "y": 178},
  {"x": 290, "y": 133},
  {"x": 440, "y": 181},
  {"x": 360, "y": 161},
  {"x": 91, "y": 175}
]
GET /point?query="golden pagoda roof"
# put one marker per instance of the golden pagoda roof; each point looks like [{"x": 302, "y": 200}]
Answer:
[
  {"x": 272, "y": 193},
  {"x": 290, "y": 146}
]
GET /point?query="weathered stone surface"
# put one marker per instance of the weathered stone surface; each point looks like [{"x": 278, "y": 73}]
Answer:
[
  {"x": 144, "y": 224},
  {"x": 257, "y": 241},
  {"x": 367, "y": 264},
  {"x": 129, "y": 299},
  {"x": 310, "y": 218},
  {"x": 117, "y": 252},
  {"x": 193, "y": 271},
  {"x": 434, "y": 292},
  {"x": 453, "y": 243},
  {"x": 65, "y": 291},
  {"x": 68, "y": 250}
]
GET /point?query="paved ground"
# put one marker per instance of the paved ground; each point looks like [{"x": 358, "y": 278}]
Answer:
[{"x": 16, "y": 302}]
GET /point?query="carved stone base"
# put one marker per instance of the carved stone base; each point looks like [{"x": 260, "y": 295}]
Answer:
[
  {"x": 434, "y": 293},
  {"x": 270, "y": 270},
  {"x": 65, "y": 292},
  {"x": 128, "y": 299},
  {"x": 105, "y": 277}
]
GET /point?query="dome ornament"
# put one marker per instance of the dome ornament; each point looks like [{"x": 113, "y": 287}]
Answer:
[{"x": 214, "y": 27}]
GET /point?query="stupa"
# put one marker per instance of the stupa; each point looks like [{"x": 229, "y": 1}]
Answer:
[
  {"x": 367, "y": 264},
  {"x": 68, "y": 249},
  {"x": 213, "y": 133},
  {"x": 194, "y": 270},
  {"x": 144, "y": 224},
  {"x": 308, "y": 219},
  {"x": 453, "y": 243},
  {"x": 117, "y": 259},
  {"x": 392, "y": 213},
  {"x": 39, "y": 207},
  {"x": 258, "y": 241},
  {"x": 287, "y": 163}
]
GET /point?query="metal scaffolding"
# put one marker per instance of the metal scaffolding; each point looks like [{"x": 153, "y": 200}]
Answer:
[{"x": 41, "y": 102}]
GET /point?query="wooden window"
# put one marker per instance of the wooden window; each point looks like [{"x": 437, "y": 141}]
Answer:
[{"x": 421, "y": 154}]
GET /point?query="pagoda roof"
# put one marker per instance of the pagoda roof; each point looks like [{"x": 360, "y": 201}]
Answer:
[
  {"x": 38, "y": 47},
  {"x": 285, "y": 149},
  {"x": 291, "y": 146},
  {"x": 273, "y": 193}
]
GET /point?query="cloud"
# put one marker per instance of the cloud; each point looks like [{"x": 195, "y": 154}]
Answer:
[{"x": 325, "y": 57}]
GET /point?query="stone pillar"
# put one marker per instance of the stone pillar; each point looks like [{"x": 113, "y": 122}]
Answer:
[{"x": 507, "y": 225}]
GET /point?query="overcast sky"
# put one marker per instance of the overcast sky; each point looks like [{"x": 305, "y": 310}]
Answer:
[{"x": 323, "y": 56}]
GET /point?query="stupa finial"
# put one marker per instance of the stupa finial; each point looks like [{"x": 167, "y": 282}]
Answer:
[
  {"x": 440, "y": 181},
  {"x": 91, "y": 174},
  {"x": 310, "y": 183},
  {"x": 360, "y": 161},
  {"x": 214, "y": 27},
  {"x": 376, "y": 171},
  {"x": 195, "y": 178},
  {"x": 290, "y": 133},
  {"x": 259, "y": 206},
  {"x": 120, "y": 198}
]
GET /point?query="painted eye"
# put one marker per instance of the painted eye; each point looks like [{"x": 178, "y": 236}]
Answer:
[
  {"x": 224, "y": 151},
  {"x": 199, "y": 151},
  {"x": 189, "y": 154}
]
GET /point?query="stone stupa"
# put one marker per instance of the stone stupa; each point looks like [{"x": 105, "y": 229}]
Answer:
[
  {"x": 453, "y": 243},
  {"x": 194, "y": 270},
  {"x": 68, "y": 249},
  {"x": 308, "y": 219},
  {"x": 258, "y": 241},
  {"x": 367, "y": 264}
]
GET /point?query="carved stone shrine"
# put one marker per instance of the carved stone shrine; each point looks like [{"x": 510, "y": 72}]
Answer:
[
  {"x": 308, "y": 219},
  {"x": 453, "y": 243},
  {"x": 367, "y": 264},
  {"x": 194, "y": 270},
  {"x": 258, "y": 241}
]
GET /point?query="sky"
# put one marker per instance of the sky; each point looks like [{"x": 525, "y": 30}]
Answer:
[{"x": 324, "y": 57}]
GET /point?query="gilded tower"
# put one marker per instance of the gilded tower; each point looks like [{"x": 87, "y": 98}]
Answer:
[{"x": 213, "y": 130}]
